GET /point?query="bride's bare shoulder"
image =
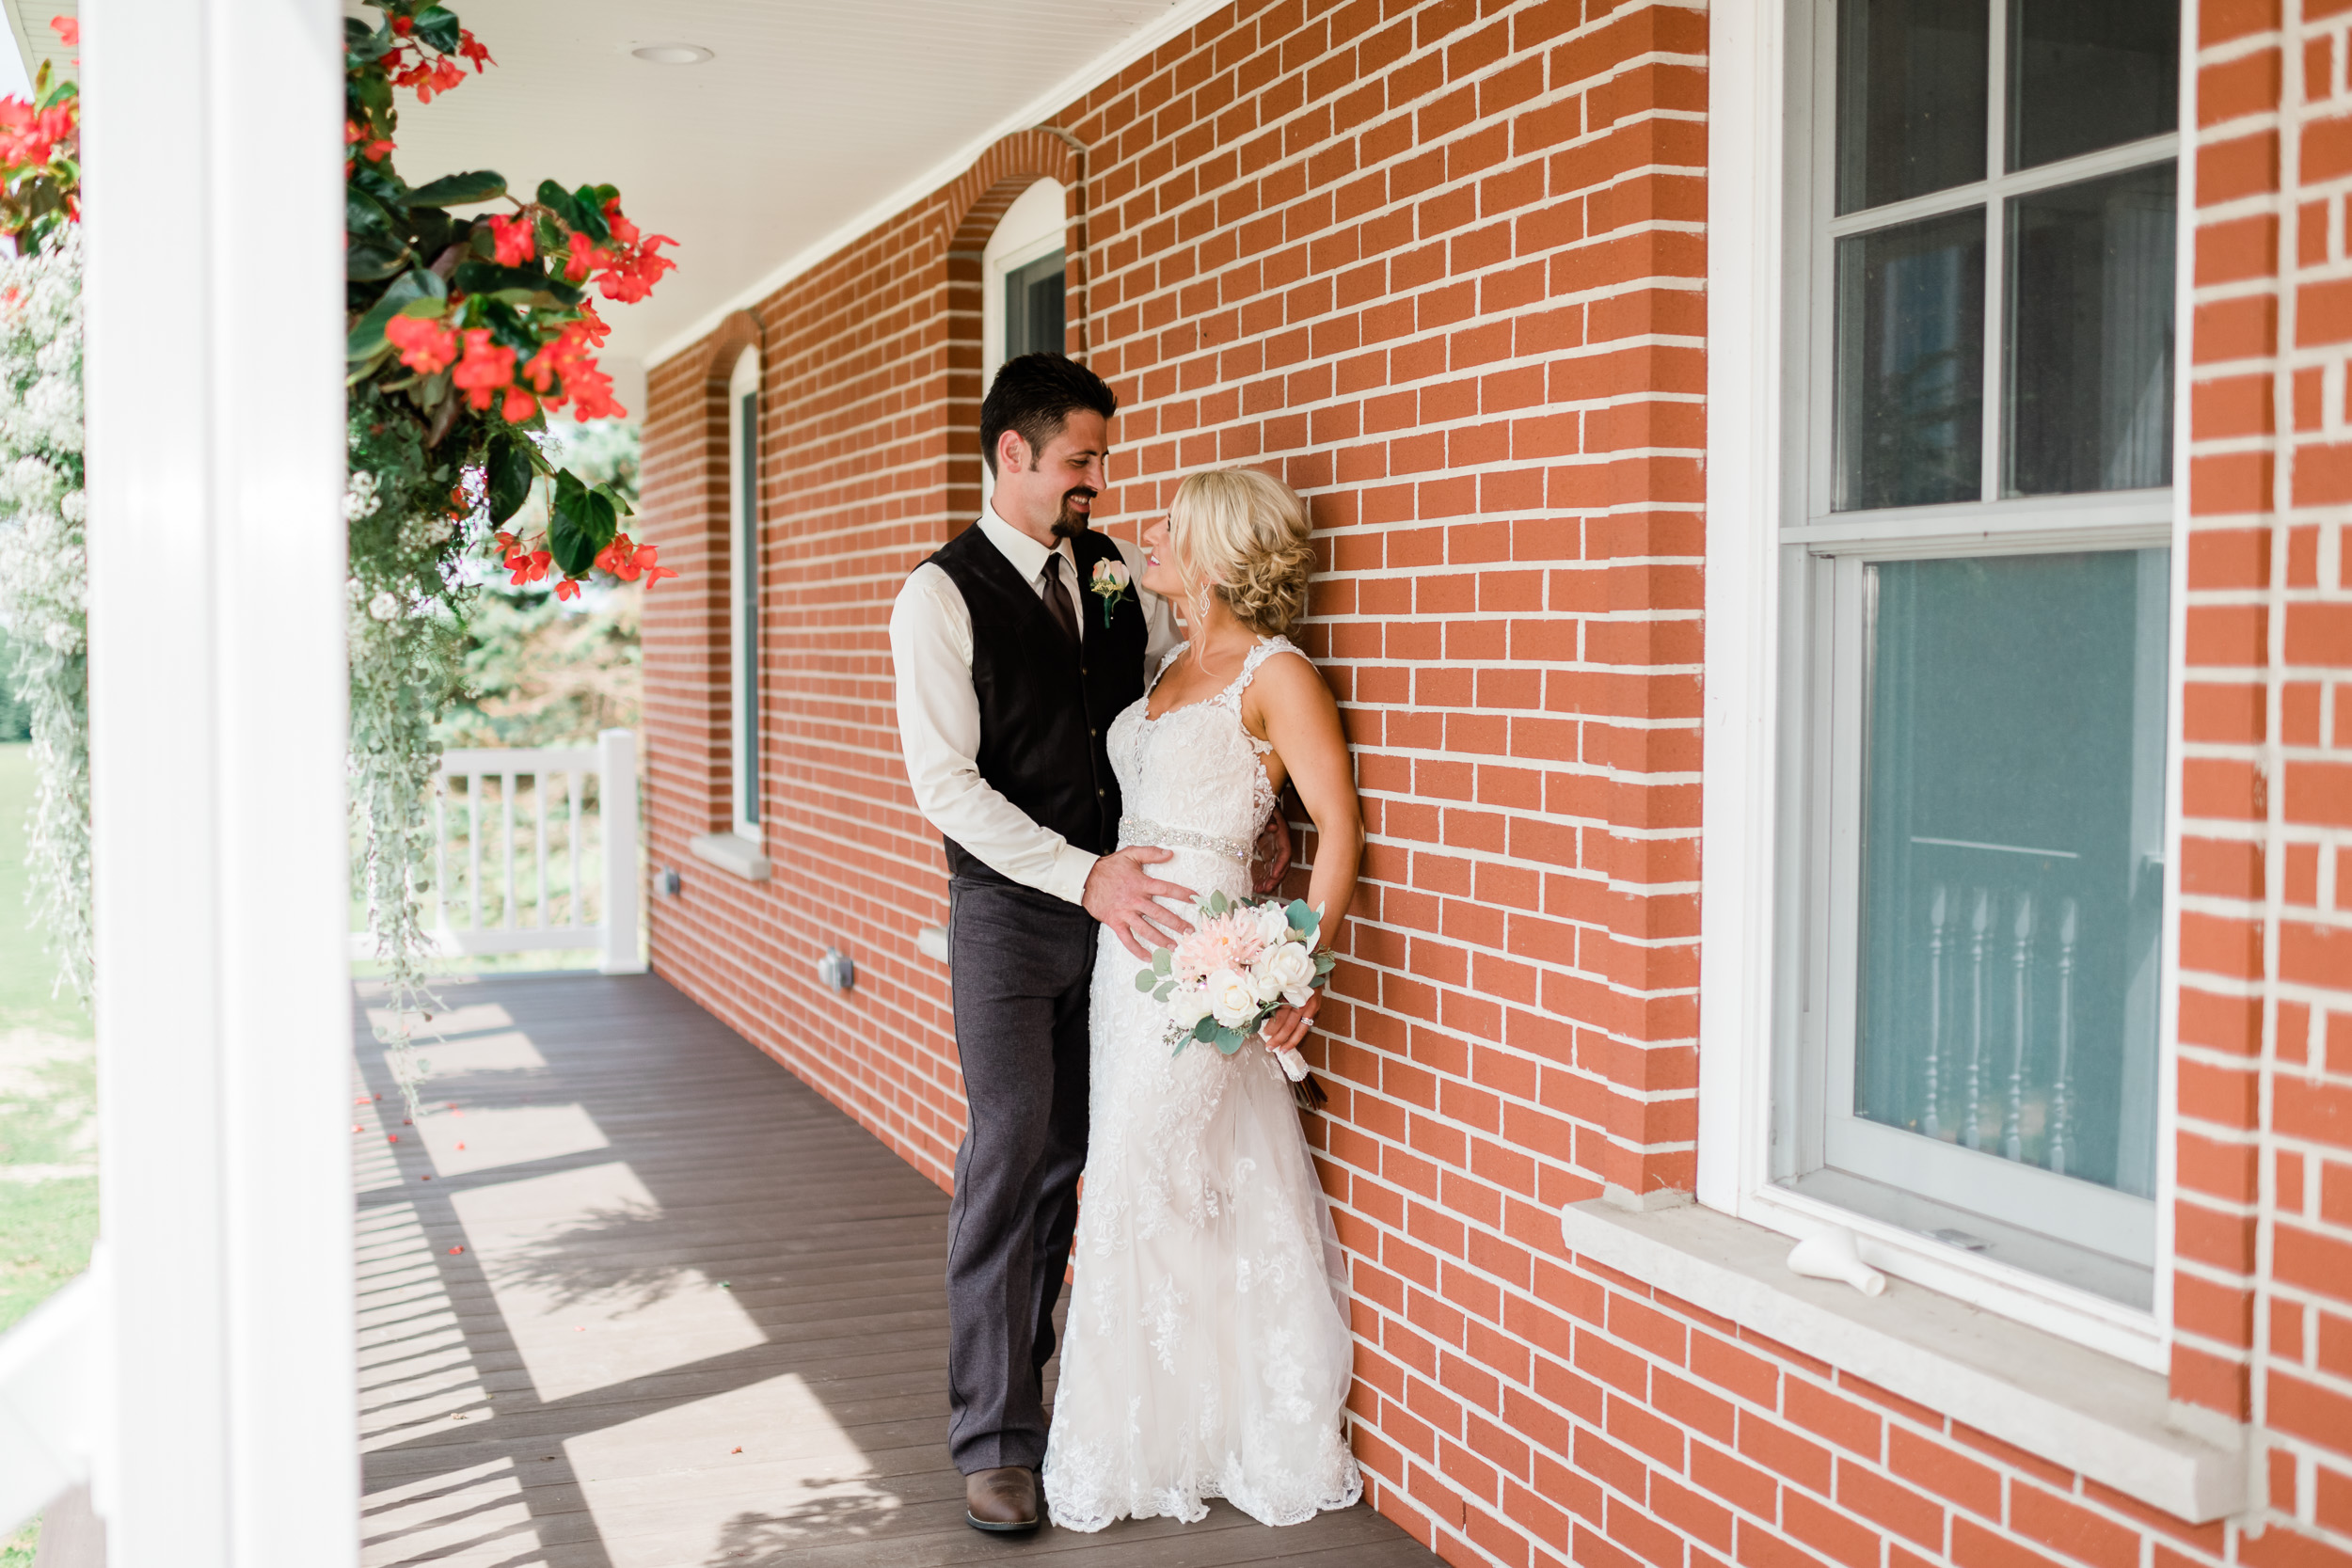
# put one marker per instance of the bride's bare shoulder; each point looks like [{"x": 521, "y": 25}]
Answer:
[{"x": 1289, "y": 681}]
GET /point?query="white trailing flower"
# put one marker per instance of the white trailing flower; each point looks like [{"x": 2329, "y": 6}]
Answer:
[
  {"x": 44, "y": 582},
  {"x": 360, "y": 498},
  {"x": 384, "y": 607}
]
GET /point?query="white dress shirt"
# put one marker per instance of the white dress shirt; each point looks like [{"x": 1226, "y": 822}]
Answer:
[{"x": 939, "y": 714}]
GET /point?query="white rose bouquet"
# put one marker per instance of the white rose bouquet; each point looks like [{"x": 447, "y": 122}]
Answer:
[{"x": 1242, "y": 960}]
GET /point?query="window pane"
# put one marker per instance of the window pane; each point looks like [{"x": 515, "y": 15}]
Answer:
[
  {"x": 2086, "y": 74},
  {"x": 2091, "y": 336},
  {"x": 1910, "y": 376},
  {"x": 2012, "y": 868},
  {"x": 1033, "y": 307},
  {"x": 1912, "y": 81}
]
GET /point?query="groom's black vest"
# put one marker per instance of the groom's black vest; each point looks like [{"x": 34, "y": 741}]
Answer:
[{"x": 1045, "y": 707}]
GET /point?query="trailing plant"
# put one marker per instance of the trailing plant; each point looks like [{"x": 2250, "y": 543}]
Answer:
[
  {"x": 45, "y": 592},
  {"x": 464, "y": 331}
]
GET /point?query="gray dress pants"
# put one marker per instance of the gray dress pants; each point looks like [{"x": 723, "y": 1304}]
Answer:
[{"x": 1021, "y": 963}]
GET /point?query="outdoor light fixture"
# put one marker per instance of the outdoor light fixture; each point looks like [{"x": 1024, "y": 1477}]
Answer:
[{"x": 672, "y": 53}]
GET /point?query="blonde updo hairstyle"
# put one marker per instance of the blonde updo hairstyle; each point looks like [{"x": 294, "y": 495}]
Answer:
[{"x": 1242, "y": 536}]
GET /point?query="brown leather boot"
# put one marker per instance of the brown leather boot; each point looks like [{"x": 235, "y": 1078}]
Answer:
[{"x": 1002, "y": 1500}]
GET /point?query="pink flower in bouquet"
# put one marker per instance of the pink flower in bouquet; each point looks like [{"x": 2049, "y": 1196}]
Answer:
[{"x": 1228, "y": 941}]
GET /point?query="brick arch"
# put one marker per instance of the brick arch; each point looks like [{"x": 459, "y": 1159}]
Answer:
[{"x": 973, "y": 207}]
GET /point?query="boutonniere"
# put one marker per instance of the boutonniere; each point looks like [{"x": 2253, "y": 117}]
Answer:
[{"x": 1111, "y": 578}]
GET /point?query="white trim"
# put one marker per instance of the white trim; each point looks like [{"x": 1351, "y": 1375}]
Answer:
[
  {"x": 1023, "y": 235},
  {"x": 1745, "y": 160},
  {"x": 1181, "y": 16},
  {"x": 745, "y": 546},
  {"x": 49, "y": 1365},
  {"x": 2053, "y": 1398},
  {"x": 732, "y": 853}
]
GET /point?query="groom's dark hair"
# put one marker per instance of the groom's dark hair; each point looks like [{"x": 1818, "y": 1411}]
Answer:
[{"x": 1035, "y": 394}]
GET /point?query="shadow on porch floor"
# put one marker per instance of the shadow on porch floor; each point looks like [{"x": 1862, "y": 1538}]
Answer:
[{"x": 633, "y": 1296}]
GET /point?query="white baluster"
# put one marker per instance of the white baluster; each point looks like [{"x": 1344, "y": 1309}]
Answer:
[
  {"x": 2061, "y": 1107},
  {"x": 2013, "y": 1117},
  {"x": 1980, "y": 923},
  {"x": 507, "y": 816},
  {"x": 473, "y": 851},
  {"x": 539, "y": 818},
  {"x": 1931, "y": 1122}
]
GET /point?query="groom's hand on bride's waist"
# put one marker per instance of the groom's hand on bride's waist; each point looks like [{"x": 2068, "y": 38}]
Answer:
[{"x": 1123, "y": 894}]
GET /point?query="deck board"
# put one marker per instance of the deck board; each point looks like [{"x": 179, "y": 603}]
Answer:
[{"x": 666, "y": 1307}]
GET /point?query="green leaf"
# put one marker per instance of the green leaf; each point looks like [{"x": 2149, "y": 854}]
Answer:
[
  {"x": 589, "y": 202},
  {"x": 559, "y": 201},
  {"x": 581, "y": 525},
  {"x": 1162, "y": 961},
  {"x": 371, "y": 261},
  {"x": 1229, "y": 1040},
  {"x": 1217, "y": 903},
  {"x": 508, "y": 474},
  {"x": 1303, "y": 919},
  {"x": 460, "y": 190},
  {"x": 367, "y": 337},
  {"x": 365, "y": 216},
  {"x": 1146, "y": 980},
  {"x": 516, "y": 285},
  {"x": 1165, "y": 990},
  {"x": 1205, "y": 1029},
  {"x": 375, "y": 94},
  {"x": 439, "y": 27},
  {"x": 620, "y": 502}
]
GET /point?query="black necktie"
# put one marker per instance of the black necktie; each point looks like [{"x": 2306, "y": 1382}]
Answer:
[{"x": 1057, "y": 597}]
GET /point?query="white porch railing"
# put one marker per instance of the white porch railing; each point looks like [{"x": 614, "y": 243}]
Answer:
[{"x": 535, "y": 849}]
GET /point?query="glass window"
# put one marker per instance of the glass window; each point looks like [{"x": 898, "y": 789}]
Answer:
[
  {"x": 1981, "y": 700},
  {"x": 1033, "y": 307},
  {"x": 743, "y": 544},
  {"x": 2086, "y": 74},
  {"x": 1911, "y": 94},
  {"x": 2090, "y": 394}
]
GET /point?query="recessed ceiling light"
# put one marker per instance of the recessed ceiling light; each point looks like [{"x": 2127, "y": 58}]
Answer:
[{"x": 672, "y": 53}]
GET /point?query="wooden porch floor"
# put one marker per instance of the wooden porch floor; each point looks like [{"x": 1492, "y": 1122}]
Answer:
[{"x": 660, "y": 1305}]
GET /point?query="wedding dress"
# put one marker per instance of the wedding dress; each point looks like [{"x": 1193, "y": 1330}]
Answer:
[{"x": 1208, "y": 1351}]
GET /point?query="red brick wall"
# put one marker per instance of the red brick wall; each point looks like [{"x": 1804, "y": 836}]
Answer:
[
  {"x": 1441, "y": 266},
  {"x": 2263, "y": 1291}
]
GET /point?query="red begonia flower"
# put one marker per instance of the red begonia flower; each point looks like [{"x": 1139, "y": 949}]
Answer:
[
  {"x": 648, "y": 557},
  {"x": 568, "y": 589},
  {"x": 69, "y": 30},
  {"x": 427, "y": 347},
  {"x": 519, "y": 405},
  {"x": 404, "y": 25},
  {"x": 514, "y": 240},
  {"x": 483, "y": 369}
]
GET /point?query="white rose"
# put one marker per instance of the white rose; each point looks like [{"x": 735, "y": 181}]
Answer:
[
  {"x": 1231, "y": 999},
  {"x": 1290, "y": 970},
  {"x": 1187, "y": 1006},
  {"x": 1274, "y": 924}
]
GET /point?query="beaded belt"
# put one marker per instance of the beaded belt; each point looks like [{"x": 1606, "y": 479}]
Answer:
[{"x": 1134, "y": 829}]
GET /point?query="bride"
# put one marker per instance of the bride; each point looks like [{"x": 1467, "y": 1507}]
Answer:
[{"x": 1208, "y": 1350}]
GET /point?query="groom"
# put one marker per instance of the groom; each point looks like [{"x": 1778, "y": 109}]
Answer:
[{"x": 1010, "y": 668}]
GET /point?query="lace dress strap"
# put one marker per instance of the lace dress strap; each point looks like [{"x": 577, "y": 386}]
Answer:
[
  {"x": 1231, "y": 697},
  {"x": 1166, "y": 659}
]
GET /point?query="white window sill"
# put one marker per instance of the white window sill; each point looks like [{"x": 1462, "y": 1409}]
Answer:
[
  {"x": 2073, "y": 1406},
  {"x": 731, "y": 852}
]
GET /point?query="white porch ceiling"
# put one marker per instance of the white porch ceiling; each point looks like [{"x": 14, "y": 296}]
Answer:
[{"x": 814, "y": 119}]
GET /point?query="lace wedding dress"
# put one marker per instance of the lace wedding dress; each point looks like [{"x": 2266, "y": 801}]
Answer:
[{"x": 1208, "y": 1351}]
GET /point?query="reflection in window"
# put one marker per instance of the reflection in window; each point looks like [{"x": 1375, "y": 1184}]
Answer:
[
  {"x": 2090, "y": 335},
  {"x": 1910, "y": 367},
  {"x": 2013, "y": 809},
  {"x": 1033, "y": 307}
]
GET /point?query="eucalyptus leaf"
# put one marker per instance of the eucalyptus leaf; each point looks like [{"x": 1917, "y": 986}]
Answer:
[
  {"x": 1166, "y": 989},
  {"x": 1205, "y": 1029},
  {"x": 1146, "y": 980},
  {"x": 460, "y": 190},
  {"x": 1162, "y": 961}
]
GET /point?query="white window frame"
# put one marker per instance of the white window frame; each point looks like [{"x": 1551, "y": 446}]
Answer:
[
  {"x": 1767, "y": 518},
  {"x": 1035, "y": 225},
  {"x": 743, "y": 559}
]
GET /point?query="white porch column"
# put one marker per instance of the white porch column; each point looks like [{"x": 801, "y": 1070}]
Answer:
[{"x": 213, "y": 351}]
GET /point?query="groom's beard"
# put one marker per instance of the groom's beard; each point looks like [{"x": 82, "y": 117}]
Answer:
[{"x": 1068, "y": 524}]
